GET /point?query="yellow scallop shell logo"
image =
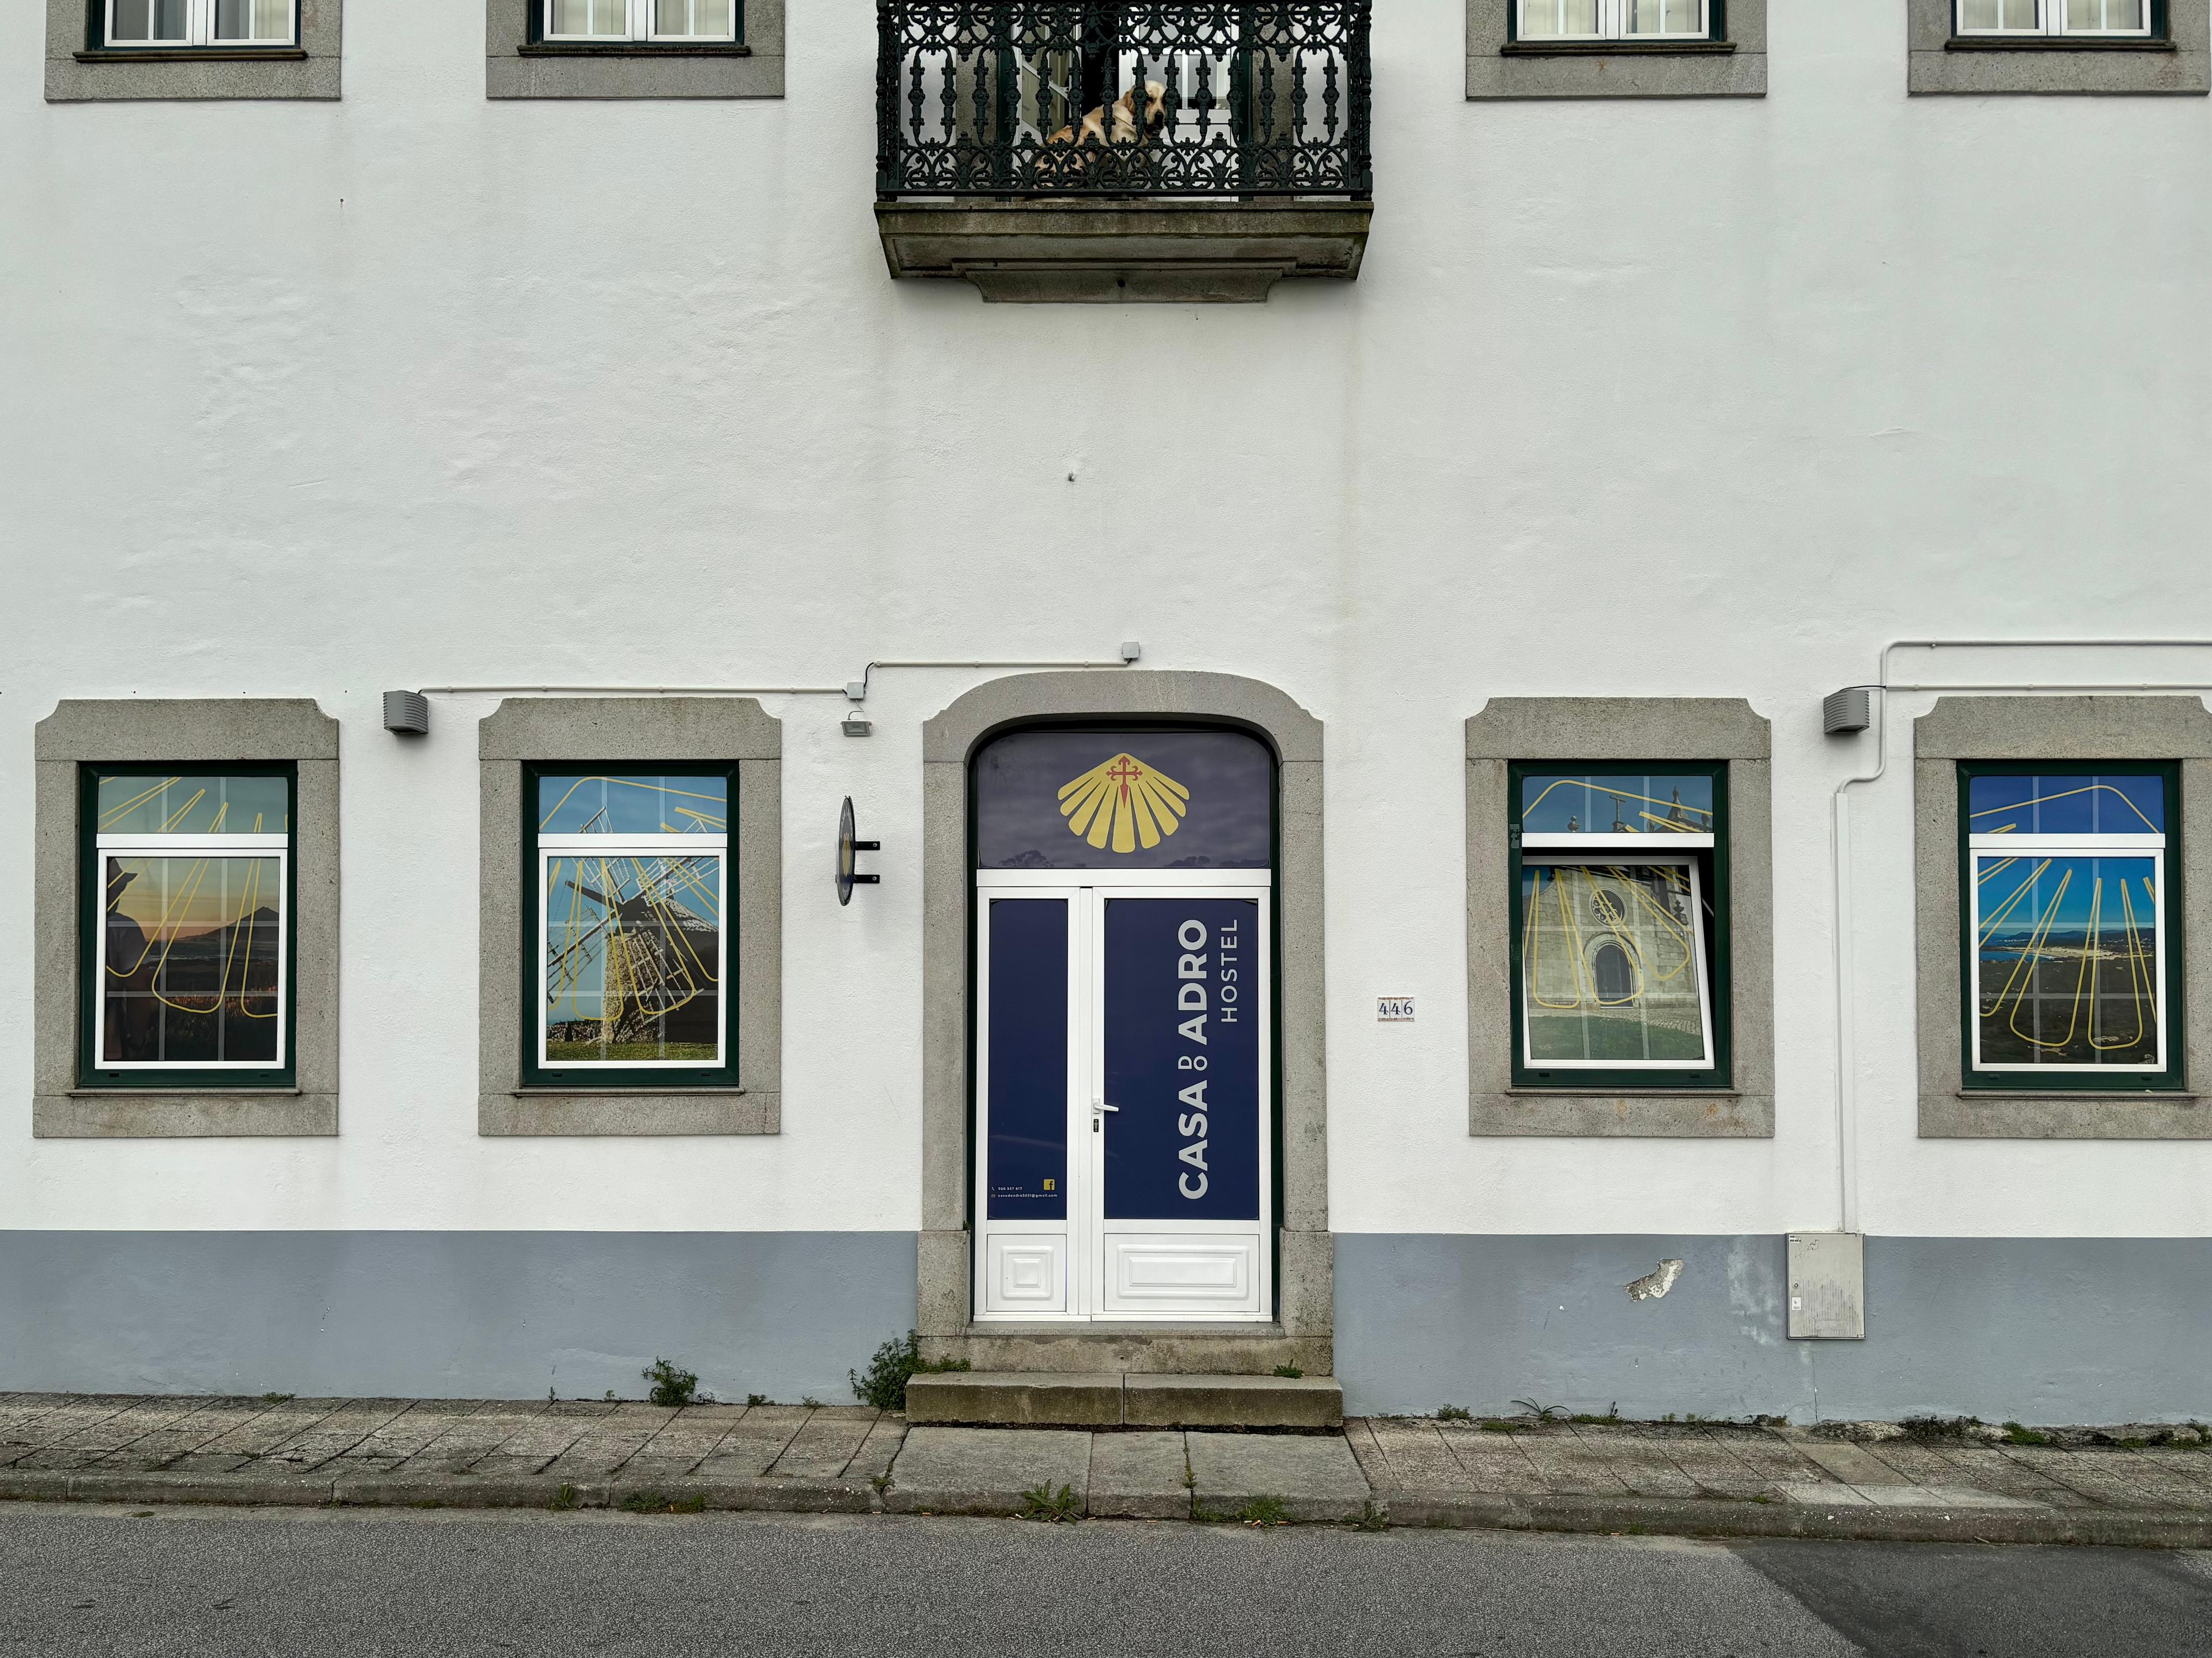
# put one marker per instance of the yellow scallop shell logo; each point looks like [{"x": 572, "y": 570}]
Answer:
[{"x": 1124, "y": 803}]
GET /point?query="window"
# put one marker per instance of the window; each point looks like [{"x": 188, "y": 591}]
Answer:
[
  {"x": 200, "y": 22},
  {"x": 630, "y": 875},
  {"x": 2072, "y": 17},
  {"x": 1615, "y": 20},
  {"x": 2069, "y": 974},
  {"x": 641, "y": 20},
  {"x": 189, "y": 904},
  {"x": 1616, "y": 919}
]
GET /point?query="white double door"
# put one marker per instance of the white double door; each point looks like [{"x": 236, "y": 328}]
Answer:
[{"x": 1123, "y": 1095}]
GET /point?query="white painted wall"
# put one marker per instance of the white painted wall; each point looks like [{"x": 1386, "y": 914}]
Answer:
[{"x": 1632, "y": 398}]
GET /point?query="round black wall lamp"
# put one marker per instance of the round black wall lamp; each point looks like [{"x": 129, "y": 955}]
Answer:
[{"x": 849, "y": 851}]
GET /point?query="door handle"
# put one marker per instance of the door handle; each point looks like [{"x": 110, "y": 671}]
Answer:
[{"x": 1098, "y": 1108}]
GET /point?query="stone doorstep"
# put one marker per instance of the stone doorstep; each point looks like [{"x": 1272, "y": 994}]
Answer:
[{"x": 1106, "y": 1399}]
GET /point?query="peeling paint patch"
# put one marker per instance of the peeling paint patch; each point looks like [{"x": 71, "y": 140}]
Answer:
[{"x": 1656, "y": 1283}]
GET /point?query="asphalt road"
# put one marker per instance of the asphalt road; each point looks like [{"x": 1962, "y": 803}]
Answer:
[{"x": 245, "y": 1582}]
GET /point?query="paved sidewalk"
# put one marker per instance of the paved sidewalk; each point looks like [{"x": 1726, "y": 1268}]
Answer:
[{"x": 2139, "y": 1486}]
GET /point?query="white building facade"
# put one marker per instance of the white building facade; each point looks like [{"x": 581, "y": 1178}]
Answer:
[{"x": 1444, "y": 631}]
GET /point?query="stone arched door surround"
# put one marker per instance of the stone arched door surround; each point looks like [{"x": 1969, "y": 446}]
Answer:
[{"x": 1302, "y": 1333}]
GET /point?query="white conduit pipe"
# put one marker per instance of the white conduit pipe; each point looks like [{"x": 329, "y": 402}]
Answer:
[{"x": 1847, "y": 1195}]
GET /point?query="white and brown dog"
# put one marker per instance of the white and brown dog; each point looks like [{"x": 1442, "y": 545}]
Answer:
[{"x": 1093, "y": 129}]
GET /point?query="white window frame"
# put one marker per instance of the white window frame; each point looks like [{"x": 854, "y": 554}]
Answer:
[
  {"x": 278, "y": 846},
  {"x": 663, "y": 846},
  {"x": 1613, "y": 17},
  {"x": 2050, "y": 20},
  {"x": 200, "y": 30},
  {"x": 2015, "y": 845},
  {"x": 638, "y": 17},
  {"x": 1576, "y": 851}
]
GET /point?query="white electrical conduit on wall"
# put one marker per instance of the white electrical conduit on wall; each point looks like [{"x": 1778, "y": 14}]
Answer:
[
  {"x": 1847, "y": 1192},
  {"x": 846, "y": 690}
]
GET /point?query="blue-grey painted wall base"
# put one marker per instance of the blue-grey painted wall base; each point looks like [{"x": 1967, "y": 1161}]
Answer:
[
  {"x": 448, "y": 1315},
  {"x": 2049, "y": 1330}
]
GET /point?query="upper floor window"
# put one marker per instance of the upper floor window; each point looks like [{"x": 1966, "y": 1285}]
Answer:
[
  {"x": 670, "y": 20},
  {"x": 189, "y": 962},
  {"x": 1618, "y": 902},
  {"x": 202, "y": 22},
  {"x": 1615, "y": 20},
  {"x": 2032, "y": 17},
  {"x": 2070, "y": 972}
]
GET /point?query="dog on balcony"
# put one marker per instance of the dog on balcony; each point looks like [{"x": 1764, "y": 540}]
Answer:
[{"x": 1093, "y": 129}]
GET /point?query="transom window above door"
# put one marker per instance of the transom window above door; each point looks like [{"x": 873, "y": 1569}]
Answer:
[
  {"x": 1125, "y": 798},
  {"x": 669, "y": 21},
  {"x": 1615, "y": 20},
  {"x": 2068, "y": 17},
  {"x": 201, "y": 23}
]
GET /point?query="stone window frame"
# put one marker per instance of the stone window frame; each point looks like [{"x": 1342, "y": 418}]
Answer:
[
  {"x": 673, "y": 729},
  {"x": 1500, "y": 67},
  {"x": 1640, "y": 730},
  {"x": 2026, "y": 729},
  {"x": 517, "y": 64},
  {"x": 1939, "y": 62},
  {"x": 1302, "y": 1331},
  {"x": 132, "y": 731},
  {"x": 81, "y": 69}
]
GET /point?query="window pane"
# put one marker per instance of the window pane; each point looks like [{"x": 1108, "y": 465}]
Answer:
[
  {"x": 1551, "y": 19},
  {"x": 1662, "y": 16},
  {"x": 641, "y": 804},
  {"x": 2070, "y": 804},
  {"x": 1997, "y": 15},
  {"x": 711, "y": 17},
  {"x": 2104, "y": 14},
  {"x": 167, "y": 802},
  {"x": 1660, "y": 803},
  {"x": 1610, "y": 964},
  {"x": 193, "y": 960},
  {"x": 588, "y": 17},
  {"x": 633, "y": 960},
  {"x": 147, "y": 20},
  {"x": 2066, "y": 962}
]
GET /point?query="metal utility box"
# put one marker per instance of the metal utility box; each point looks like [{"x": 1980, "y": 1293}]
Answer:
[
  {"x": 1844, "y": 711},
  {"x": 1827, "y": 1286}
]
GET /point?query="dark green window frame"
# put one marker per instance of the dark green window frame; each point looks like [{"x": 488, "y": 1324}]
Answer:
[
  {"x": 2174, "y": 1078},
  {"x": 91, "y": 892},
  {"x": 660, "y": 1079},
  {"x": 1716, "y": 29},
  {"x": 1714, "y": 873},
  {"x": 2160, "y": 32}
]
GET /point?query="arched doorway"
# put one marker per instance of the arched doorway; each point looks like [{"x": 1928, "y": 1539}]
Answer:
[{"x": 1123, "y": 939}]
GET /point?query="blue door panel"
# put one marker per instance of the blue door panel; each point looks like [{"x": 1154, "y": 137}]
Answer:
[
  {"x": 1026, "y": 1162},
  {"x": 1182, "y": 1058}
]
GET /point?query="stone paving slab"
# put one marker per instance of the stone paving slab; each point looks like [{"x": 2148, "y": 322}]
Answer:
[
  {"x": 467, "y": 1440},
  {"x": 253, "y": 1437},
  {"x": 334, "y": 1434},
  {"x": 406, "y": 1436},
  {"x": 1491, "y": 1462},
  {"x": 609, "y": 1441},
  {"x": 886, "y": 1436},
  {"x": 689, "y": 1438},
  {"x": 825, "y": 1444},
  {"x": 986, "y": 1470},
  {"x": 1313, "y": 1477},
  {"x": 754, "y": 1443},
  {"x": 79, "y": 1446},
  {"x": 1139, "y": 1476}
]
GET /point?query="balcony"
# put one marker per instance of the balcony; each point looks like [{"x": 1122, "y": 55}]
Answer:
[{"x": 1123, "y": 150}]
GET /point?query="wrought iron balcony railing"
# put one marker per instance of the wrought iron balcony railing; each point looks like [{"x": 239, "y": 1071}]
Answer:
[{"x": 1122, "y": 98}]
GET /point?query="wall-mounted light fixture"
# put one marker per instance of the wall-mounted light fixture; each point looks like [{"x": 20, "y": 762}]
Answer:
[
  {"x": 849, "y": 851},
  {"x": 407, "y": 713}
]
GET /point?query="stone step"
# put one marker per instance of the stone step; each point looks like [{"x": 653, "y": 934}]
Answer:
[{"x": 1114, "y": 1398}]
